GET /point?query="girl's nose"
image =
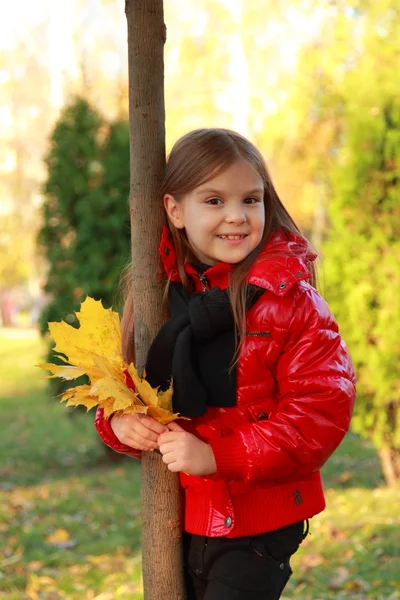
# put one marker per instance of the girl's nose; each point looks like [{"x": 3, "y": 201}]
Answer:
[{"x": 236, "y": 215}]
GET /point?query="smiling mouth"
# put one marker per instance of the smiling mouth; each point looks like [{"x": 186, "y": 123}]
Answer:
[{"x": 232, "y": 237}]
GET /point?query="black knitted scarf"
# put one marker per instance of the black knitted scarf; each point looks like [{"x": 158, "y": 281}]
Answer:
[{"x": 195, "y": 347}]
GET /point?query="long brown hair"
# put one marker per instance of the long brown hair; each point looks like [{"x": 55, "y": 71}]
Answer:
[{"x": 193, "y": 160}]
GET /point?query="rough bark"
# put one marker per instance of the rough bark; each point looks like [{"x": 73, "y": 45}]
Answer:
[{"x": 161, "y": 538}]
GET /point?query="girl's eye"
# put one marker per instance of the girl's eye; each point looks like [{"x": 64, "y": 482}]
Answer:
[
  {"x": 218, "y": 201},
  {"x": 252, "y": 200}
]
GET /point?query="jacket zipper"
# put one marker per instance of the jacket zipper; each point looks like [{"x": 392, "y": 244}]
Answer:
[{"x": 204, "y": 282}]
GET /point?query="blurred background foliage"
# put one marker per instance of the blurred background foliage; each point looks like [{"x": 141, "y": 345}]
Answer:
[
  {"x": 85, "y": 231},
  {"x": 313, "y": 83}
]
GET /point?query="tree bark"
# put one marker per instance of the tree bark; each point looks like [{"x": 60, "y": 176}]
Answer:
[
  {"x": 161, "y": 537},
  {"x": 390, "y": 461}
]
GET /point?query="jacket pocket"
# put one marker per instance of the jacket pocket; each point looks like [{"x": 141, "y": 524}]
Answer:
[
  {"x": 282, "y": 543},
  {"x": 260, "y": 411}
]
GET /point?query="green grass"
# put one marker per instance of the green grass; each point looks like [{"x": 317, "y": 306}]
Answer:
[
  {"x": 54, "y": 475},
  {"x": 70, "y": 520}
]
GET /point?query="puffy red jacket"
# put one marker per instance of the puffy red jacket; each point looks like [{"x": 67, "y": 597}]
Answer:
[{"x": 295, "y": 393}]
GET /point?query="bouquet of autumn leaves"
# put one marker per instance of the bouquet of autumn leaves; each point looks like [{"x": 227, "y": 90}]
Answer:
[{"x": 95, "y": 350}]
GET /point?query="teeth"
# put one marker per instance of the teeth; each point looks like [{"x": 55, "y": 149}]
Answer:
[{"x": 231, "y": 237}]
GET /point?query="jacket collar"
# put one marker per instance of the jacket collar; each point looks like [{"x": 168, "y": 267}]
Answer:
[{"x": 282, "y": 262}]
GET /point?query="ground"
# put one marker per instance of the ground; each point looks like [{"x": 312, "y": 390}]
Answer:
[{"x": 70, "y": 520}]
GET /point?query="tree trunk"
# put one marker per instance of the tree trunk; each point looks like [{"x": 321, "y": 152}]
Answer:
[
  {"x": 390, "y": 461},
  {"x": 161, "y": 537}
]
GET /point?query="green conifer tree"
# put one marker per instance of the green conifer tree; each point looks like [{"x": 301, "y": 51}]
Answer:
[
  {"x": 74, "y": 171},
  {"x": 86, "y": 229}
]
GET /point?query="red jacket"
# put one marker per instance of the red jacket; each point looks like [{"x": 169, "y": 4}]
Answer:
[{"x": 295, "y": 393}]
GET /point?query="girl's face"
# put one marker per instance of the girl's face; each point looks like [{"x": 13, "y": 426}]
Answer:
[{"x": 224, "y": 217}]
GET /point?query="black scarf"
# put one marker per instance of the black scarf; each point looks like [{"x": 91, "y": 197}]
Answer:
[{"x": 196, "y": 346}]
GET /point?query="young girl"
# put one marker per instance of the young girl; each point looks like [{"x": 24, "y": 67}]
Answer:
[{"x": 257, "y": 363}]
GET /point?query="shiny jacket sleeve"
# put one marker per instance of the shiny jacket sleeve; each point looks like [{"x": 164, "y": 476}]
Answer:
[
  {"x": 106, "y": 433},
  {"x": 316, "y": 390}
]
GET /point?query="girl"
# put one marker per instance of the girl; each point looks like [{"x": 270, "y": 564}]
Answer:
[{"x": 257, "y": 363}]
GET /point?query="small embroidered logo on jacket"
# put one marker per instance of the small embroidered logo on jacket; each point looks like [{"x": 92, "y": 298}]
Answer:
[{"x": 259, "y": 333}]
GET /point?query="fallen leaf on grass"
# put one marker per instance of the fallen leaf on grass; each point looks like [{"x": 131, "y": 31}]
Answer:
[
  {"x": 356, "y": 585},
  {"x": 313, "y": 559},
  {"x": 37, "y": 585},
  {"x": 336, "y": 534},
  {"x": 61, "y": 539},
  {"x": 20, "y": 498},
  {"x": 338, "y": 581},
  {"x": 102, "y": 559},
  {"x": 35, "y": 565},
  {"x": 80, "y": 569}
]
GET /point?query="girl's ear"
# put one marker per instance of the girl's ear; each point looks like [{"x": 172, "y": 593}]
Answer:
[{"x": 173, "y": 210}]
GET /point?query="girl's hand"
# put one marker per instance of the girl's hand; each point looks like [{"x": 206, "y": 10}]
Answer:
[
  {"x": 137, "y": 431},
  {"x": 183, "y": 451}
]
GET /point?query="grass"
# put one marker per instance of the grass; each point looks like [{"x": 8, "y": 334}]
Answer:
[{"x": 70, "y": 521}]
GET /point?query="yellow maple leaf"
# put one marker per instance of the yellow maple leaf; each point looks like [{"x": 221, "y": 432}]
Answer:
[
  {"x": 64, "y": 371},
  {"x": 165, "y": 398},
  {"x": 79, "y": 396},
  {"x": 145, "y": 391},
  {"x": 94, "y": 349},
  {"x": 151, "y": 396},
  {"x": 99, "y": 333},
  {"x": 161, "y": 415},
  {"x": 108, "y": 387},
  {"x": 108, "y": 407}
]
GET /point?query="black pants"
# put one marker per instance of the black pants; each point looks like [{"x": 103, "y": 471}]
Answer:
[{"x": 247, "y": 568}]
